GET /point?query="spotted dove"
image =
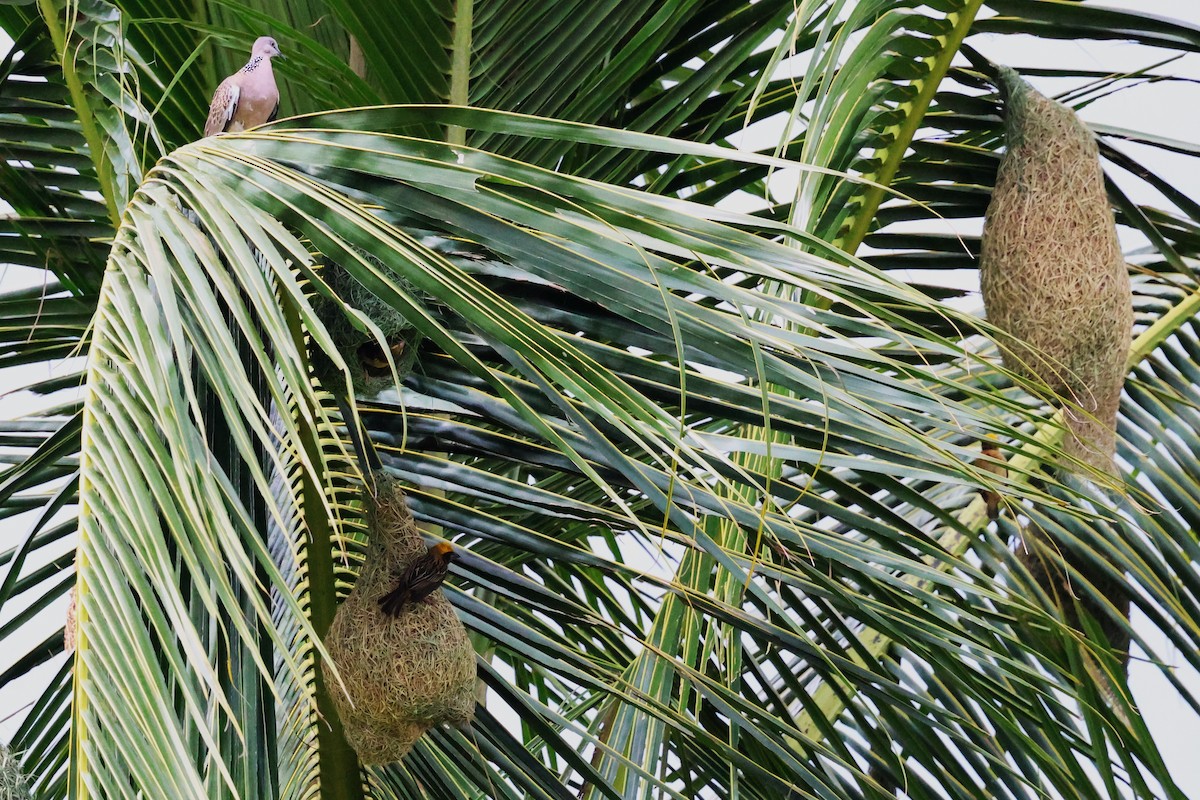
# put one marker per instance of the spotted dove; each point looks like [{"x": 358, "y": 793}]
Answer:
[{"x": 248, "y": 97}]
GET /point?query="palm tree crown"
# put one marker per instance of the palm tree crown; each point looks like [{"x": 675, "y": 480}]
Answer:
[{"x": 712, "y": 477}]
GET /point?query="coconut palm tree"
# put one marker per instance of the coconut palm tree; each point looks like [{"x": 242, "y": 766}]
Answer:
[{"x": 702, "y": 423}]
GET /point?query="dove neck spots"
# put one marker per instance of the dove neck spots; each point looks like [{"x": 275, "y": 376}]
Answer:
[{"x": 254, "y": 64}]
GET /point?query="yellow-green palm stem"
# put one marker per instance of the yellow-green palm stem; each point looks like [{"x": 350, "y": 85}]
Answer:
[
  {"x": 901, "y": 134},
  {"x": 87, "y": 121},
  {"x": 339, "y": 767},
  {"x": 460, "y": 66}
]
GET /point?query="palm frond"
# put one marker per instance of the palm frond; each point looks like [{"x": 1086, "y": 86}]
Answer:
[{"x": 712, "y": 477}]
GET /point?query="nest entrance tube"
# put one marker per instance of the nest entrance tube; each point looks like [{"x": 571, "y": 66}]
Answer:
[{"x": 402, "y": 674}]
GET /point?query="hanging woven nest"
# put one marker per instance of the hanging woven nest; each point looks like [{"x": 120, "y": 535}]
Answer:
[
  {"x": 1056, "y": 284},
  {"x": 1051, "y": 269},
  {"x": 403, "y": 674}
]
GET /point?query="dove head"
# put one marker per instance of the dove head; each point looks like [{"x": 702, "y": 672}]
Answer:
[{"x": 265, "y": 47}]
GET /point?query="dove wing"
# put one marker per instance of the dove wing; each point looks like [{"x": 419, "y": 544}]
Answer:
[{"x": 224, "y": 106}]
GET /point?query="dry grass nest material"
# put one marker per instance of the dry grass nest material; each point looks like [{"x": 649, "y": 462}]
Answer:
[
  {"x": 1051, "y": 269},
  {"x": 1055, "y": 281},
  {"x": 404, "y": 674},
  {"x": 70, "y": 627},
  {"x": 369, "y": 369},
  {"x": 14, "y": 784}
]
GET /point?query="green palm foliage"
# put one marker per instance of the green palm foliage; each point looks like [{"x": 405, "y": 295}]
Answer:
[{"x": 709, "y": 461}]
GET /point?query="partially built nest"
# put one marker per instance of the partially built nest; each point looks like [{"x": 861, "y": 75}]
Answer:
[
  {"x": 1051, "y": 268},
  {"x": 14, "y": 784},
  {"x": 370, "y": 371},
  {"x": 403, "y": 674}
]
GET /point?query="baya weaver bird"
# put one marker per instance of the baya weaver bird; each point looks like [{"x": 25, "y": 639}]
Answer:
[{"x": 420, "y": 579}]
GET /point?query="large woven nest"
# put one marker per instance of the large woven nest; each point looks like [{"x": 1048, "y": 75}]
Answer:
[
  {"x": 1055, "y": 282},
  {"x": 1051, "y": 269},
  {"x": 403, "y": 674}
]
